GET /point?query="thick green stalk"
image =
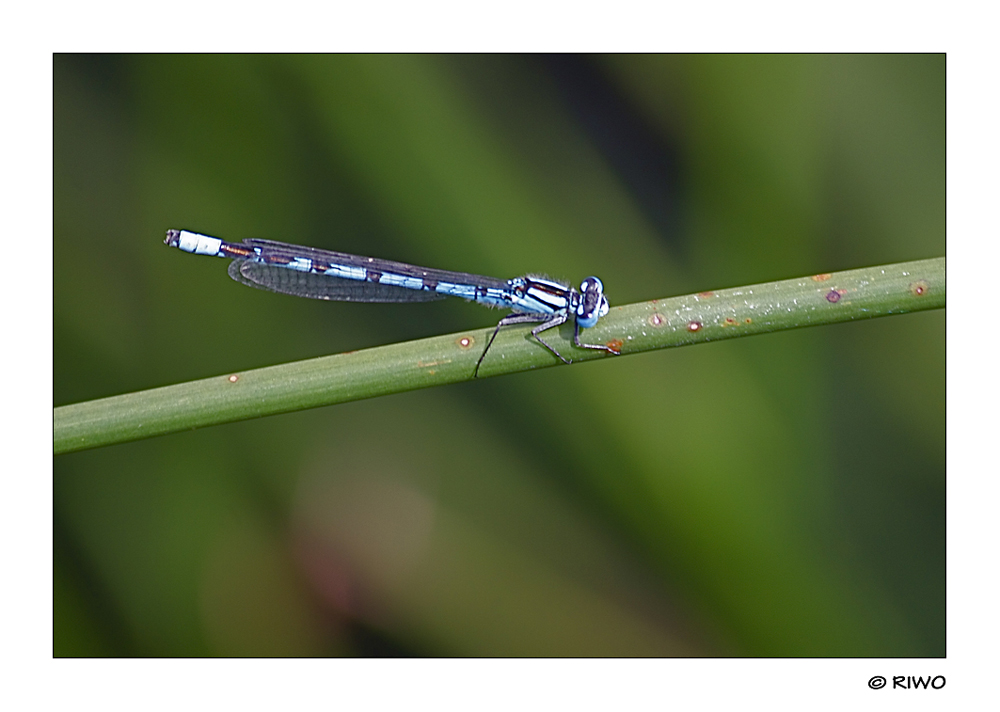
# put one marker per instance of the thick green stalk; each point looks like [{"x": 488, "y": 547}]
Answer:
[{"x": 660, "y": 323}]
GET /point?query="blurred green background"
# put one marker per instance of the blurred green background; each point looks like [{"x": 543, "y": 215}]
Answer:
[{"x": 781, "y": 495}]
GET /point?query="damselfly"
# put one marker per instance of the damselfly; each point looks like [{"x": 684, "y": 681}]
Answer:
[{"x": 323, "y": 274}]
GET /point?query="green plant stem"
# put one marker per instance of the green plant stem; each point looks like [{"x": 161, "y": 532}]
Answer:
[{"x": 657, "y": 324}]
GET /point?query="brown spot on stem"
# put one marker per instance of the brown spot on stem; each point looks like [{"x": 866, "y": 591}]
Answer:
[
  {"x": 656, "y": 319},
  {"x": 919, "y": 289},
  {"x": 821, "y": 277},
  {"x": 694, "y": 326},
  {"x": 431, "y": 364},
  {"x": 465, "y": 342},
  {"x": 615, "y": 345}
]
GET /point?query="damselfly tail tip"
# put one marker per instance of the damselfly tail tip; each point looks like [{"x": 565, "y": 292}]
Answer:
[{"x": 173, "y": 238}]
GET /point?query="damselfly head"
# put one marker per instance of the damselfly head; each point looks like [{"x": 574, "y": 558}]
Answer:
[{"x": 593, "y": 304}]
